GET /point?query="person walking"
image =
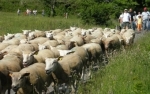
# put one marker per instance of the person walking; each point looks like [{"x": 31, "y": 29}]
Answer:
[
  {"x": 145, "y": 17},
  {"x": 18, "y": 12},
  {"x": 132, "y": 22},
  {"x": 43, "y": 12},
  {"x": 120, "y": 21},
  {"x": 126, "y": 18}
]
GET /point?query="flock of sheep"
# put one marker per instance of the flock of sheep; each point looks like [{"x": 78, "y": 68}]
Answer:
[{"x": 31, "y": 61}]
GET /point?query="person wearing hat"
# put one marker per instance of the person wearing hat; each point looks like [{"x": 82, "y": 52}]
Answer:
[
  {"x": 126, "y": 18},
  {"x": 145, "y": 17}
]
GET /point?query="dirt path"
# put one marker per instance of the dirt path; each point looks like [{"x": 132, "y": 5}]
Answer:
[{"x": 139, "y": 35}]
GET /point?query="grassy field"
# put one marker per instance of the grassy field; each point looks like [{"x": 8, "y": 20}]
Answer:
[
  {"x": 12, "y": 23},
  {"x": 126, "y": 73}
]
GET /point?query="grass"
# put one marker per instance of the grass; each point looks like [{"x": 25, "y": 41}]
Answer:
[
  {"x": 12, "y": 23},
  {"x": 126, "y": 73}
]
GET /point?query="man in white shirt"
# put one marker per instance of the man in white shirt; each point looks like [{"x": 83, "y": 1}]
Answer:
[
  {"x": 126, "y": 18},
  {"x": 145, "y": 17}
]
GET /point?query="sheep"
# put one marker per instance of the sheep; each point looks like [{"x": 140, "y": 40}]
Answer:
[
  {"x": 49, "y": 43},
  {"x": 2, "y": 54},
  {"x": 49, "y": 35},
  {"x": 64, "y": 52},
  {"x": 107, "y": 34},
  {"x": 42, "y": 46},
  {"x": 69, "y": 65},
  {"x": 97, "y": 33},
  {"x": 26, "y": 32},
  {"x": 78, "y": 39},
  {"x": 9, "y": 48},
  {"x": 85, "y": 32},
  {"x": 62, "y": 47},
  {"x": 111, "y": 44},
  {"x": 20, "y": 36},
  {"x": 31, "y": 57},
  {"x": 24, "y": 47},
  {"x": 3, "y": 45},
  {"x": 96, "y": 40},
  {"x": 56, "y": 31},
  {"x": 83, "y": 55},
  {"x": 70, "y": 44},
  {"x": 128, "y": 37},
  {"x": 35, "y": 34},
  {"x": 88, "y": 38},
  {"x": 31, "y": 80},
  {"x": 72, "y": 28},
  {"x": 38, "y": 40},
  {"x": 55, "y": 51},
  {"x": 1, "y": 38},
  {"x": 23, "y": 41},
  {"x": 95, "y": 53},
  {"x": 12, "y": 41},
  {"x": 10, "y": 62},
  {"x": 8, "y": 36},
  {"x": 77, "y": 31}
]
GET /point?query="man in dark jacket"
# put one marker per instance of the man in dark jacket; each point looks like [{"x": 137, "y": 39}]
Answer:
[{"x": 132, "y": 23}]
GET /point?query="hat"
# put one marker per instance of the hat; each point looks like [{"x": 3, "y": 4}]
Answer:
[
  {"x": 145, "y": 8},
  {"x": 125, "y": 9}
]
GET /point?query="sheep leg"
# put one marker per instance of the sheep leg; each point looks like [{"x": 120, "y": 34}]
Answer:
[
  {"x": 0, "y": 86},
  {"x": 8, "y": 91},
  {"x": 56, "y": 88},
  {"x": 36, "y": 90}
]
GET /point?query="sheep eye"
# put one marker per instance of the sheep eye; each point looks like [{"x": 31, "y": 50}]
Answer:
[{"x": 53, "y": 63}]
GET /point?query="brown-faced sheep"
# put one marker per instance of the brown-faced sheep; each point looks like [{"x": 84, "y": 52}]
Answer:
[{"x": 111, "y": 44}]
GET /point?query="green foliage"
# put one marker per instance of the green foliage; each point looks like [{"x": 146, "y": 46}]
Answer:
[{"x": 96, "y": 12}]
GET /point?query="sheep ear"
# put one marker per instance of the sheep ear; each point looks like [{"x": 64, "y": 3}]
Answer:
[
  {"x": 70, "y": 52},
  {"x": 24, "y": 74},
  {"x": 59, "y": 58},
  {"x": 34, "y": 52},
  {"x": 10, "y": 73}
]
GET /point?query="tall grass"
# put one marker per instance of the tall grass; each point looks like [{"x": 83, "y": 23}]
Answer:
[
  {"x": 126, "y": 73},
  {"x": 12, "y": 23}
]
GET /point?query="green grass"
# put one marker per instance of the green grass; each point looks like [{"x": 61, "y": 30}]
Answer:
[{"x": 12, "y": 23}]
